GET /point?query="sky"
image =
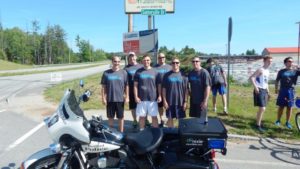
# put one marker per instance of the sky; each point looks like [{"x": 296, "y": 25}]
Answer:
[{"x": 200, "y": 24}]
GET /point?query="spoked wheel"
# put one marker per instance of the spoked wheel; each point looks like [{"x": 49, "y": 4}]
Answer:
[{"x": 297, "y": 119}]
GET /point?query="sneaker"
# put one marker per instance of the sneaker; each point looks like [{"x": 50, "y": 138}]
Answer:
[
  {"x": 215, "y": 110},
  {"x": 288, "y": 125},
  {"x": 277, "y": 123},
  {"x": 134, "y": 124},
  {"x": 260, "y": 129},
  {"x": 162, "y": 123},
  {"x": 225, "y": 112}
]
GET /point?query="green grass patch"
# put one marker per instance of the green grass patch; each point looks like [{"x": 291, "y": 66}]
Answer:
[
  {"x": 242, "y": 113},
  {"x": 5, "y": 65}
]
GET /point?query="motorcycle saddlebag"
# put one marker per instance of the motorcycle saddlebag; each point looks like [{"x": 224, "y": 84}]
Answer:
[{"x": 194, "y": 133}]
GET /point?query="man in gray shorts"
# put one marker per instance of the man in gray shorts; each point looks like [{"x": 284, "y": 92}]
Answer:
[
  {"x": 114, "y": 89},
  {"x": 146, "y": 83}
]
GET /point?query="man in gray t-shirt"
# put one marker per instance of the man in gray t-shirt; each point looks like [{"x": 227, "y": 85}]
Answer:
[
  {"x": 131, "y": 68},
  {"x": 146, "y": 82},
  {"x": 114, "y": 87},
  {"x": 175, "y": 93},
  {"x": 162, "y": 67},
  {"x": 200, "y": 83}
]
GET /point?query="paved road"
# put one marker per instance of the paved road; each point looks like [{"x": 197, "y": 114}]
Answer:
[{"x": 22, "y": 133}]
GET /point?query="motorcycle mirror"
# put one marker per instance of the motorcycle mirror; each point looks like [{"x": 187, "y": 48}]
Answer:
[
  {"x": 85, "y": 98},
  {"x": 81, "y": 83}
]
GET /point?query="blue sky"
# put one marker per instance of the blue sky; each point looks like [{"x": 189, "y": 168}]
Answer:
[{"x": 201, "y": 24}]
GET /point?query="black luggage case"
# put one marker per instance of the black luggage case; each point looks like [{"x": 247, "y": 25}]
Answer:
[{"x": 194, "y": 133}]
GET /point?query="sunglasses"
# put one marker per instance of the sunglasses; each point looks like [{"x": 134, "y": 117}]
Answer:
[
  {"x": 195, "y": 61},
  {"x": 177, "y": 63},
  {"x": 290, "y": 61}
]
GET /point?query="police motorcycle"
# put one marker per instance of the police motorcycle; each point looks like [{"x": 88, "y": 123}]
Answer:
[{"x": 80, "y": 143}]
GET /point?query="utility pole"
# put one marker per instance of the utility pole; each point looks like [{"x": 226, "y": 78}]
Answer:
[
  {"x": 298, "y": 40},
  {"x": 228, "y": 58}
]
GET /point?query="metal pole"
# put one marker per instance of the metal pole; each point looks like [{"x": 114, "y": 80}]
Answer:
[
  {"x": 228, "y": 59},
  {"x": 154, "y": 50},
  {"x": 298, "y": 41}
]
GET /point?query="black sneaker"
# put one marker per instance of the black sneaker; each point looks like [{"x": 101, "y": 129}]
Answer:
[
  {"x": 134, "y": 124},
  {"x": 260, "y": 129},
  {"x": 162, "y": 123}
]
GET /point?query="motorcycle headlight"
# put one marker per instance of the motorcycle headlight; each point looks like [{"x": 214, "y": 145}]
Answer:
[{"x": 55, "y": 148}]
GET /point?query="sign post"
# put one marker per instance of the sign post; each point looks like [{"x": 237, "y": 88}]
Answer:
[{"x": 228, "y": 58}]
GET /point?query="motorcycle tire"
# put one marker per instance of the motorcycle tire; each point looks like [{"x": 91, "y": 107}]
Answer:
[
  {"x": 51, "y": 162},
  {"x": 297, "y": 120}
]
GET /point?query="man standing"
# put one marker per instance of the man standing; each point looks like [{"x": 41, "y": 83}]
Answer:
[
  {"x": 162, "y": 68},
  {"x": 146, "y": 85},
  {"x": 175, "y": 93},
  {"x": 219, "y": 83},
  {"x": 288, "y": 79},
  {"x": 131, "y": 68},
  {"x": 259, "y": 80},
  {"x": 200, "y": 83},
  {"x": 114, "y": 89}
]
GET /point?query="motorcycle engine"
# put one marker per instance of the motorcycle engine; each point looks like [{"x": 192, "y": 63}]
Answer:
[{"x": 103, "y": 160}]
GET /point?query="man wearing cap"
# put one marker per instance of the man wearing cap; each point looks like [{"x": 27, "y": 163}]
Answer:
[
  {"x": 131, "y": 68},
  {"x": 162, "y": 68}
]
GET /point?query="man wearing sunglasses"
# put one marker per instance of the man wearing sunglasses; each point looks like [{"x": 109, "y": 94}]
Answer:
[
  {"x": 200, "y": 84},
  {"x": 174, "y": 92},
  {"x": 115, "y": 92},
  {"x": 288, "y": 79},
  {"x": 162, "y": 68}
]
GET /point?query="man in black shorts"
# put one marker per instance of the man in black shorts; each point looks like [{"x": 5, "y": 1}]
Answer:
[
  {"x": 175, "y": 93},
  {"x": 114, "y": 92},
  {"x": 131, "y": 68},
  {"x": 200, "y": 84}
]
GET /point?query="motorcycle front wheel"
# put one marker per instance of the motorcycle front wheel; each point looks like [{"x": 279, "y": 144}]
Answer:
[{"x": 51, "y": 162}]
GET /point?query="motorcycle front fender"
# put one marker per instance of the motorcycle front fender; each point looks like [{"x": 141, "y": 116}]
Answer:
[{"x": 45, "y": 157}]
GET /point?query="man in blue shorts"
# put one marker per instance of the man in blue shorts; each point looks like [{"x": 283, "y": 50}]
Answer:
[
  {"x": 115, "y": 92},
  {"x": 288, "y": 79},
  {"x": 175, "y": 93},
  {"x": 219, "y": 83}
]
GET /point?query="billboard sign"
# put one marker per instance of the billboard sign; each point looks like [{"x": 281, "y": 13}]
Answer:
[
  {"x": 140, "y": 42},
  {"x": 136, "y": 6}
]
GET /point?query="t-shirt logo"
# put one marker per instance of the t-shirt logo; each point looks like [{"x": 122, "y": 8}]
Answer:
[
  {"x": 289, "y": 73},
  {"x": 113, "y": 77},
  {"x": 162, "y": 71},
  {"x": 194, "y": 78},
  {"x": 146, "y": 76},
  {"x": 132, "y": 71},
  {"x": 175, "y": 79}
]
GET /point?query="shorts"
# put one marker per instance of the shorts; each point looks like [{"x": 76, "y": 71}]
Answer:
[
  {"x": 160, "y": 104},
  {"x": 175, "y": 111},
  {"x": 286, "y": 97},
  {"x": 196, "y": 111},
  {"x": 132, "y": 103},
  {"x": 218, "y": 88},
  {"x": 115, "y": 108},
  {"x": 145, "y": 108},
  {"x": 261, "y": 98}
]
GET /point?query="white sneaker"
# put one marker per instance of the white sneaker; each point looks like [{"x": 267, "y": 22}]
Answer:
[{"x": 215, "y": 110}]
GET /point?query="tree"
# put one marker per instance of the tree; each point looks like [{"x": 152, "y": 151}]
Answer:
[
  {"x": 186, "y": 51},
  {"x": 251, "y": 52},
  {"x": 85, "y": 49}
]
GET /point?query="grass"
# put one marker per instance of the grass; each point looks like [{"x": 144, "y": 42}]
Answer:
[
  {"x": 241, "y": 118},
  {"x": 5, "y": 65}
]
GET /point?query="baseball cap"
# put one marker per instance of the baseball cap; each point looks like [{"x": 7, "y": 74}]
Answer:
[{"x": 131, "y": 53}]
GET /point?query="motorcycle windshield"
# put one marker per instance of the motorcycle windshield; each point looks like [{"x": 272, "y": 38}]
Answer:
[{"x": 73, "y": 104}]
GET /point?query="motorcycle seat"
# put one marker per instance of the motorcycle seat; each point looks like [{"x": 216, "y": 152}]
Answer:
[{"x": 144, "y": 141}]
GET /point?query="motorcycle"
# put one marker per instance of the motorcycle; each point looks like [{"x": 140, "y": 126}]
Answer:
[{"x": 80, "y": 143}]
